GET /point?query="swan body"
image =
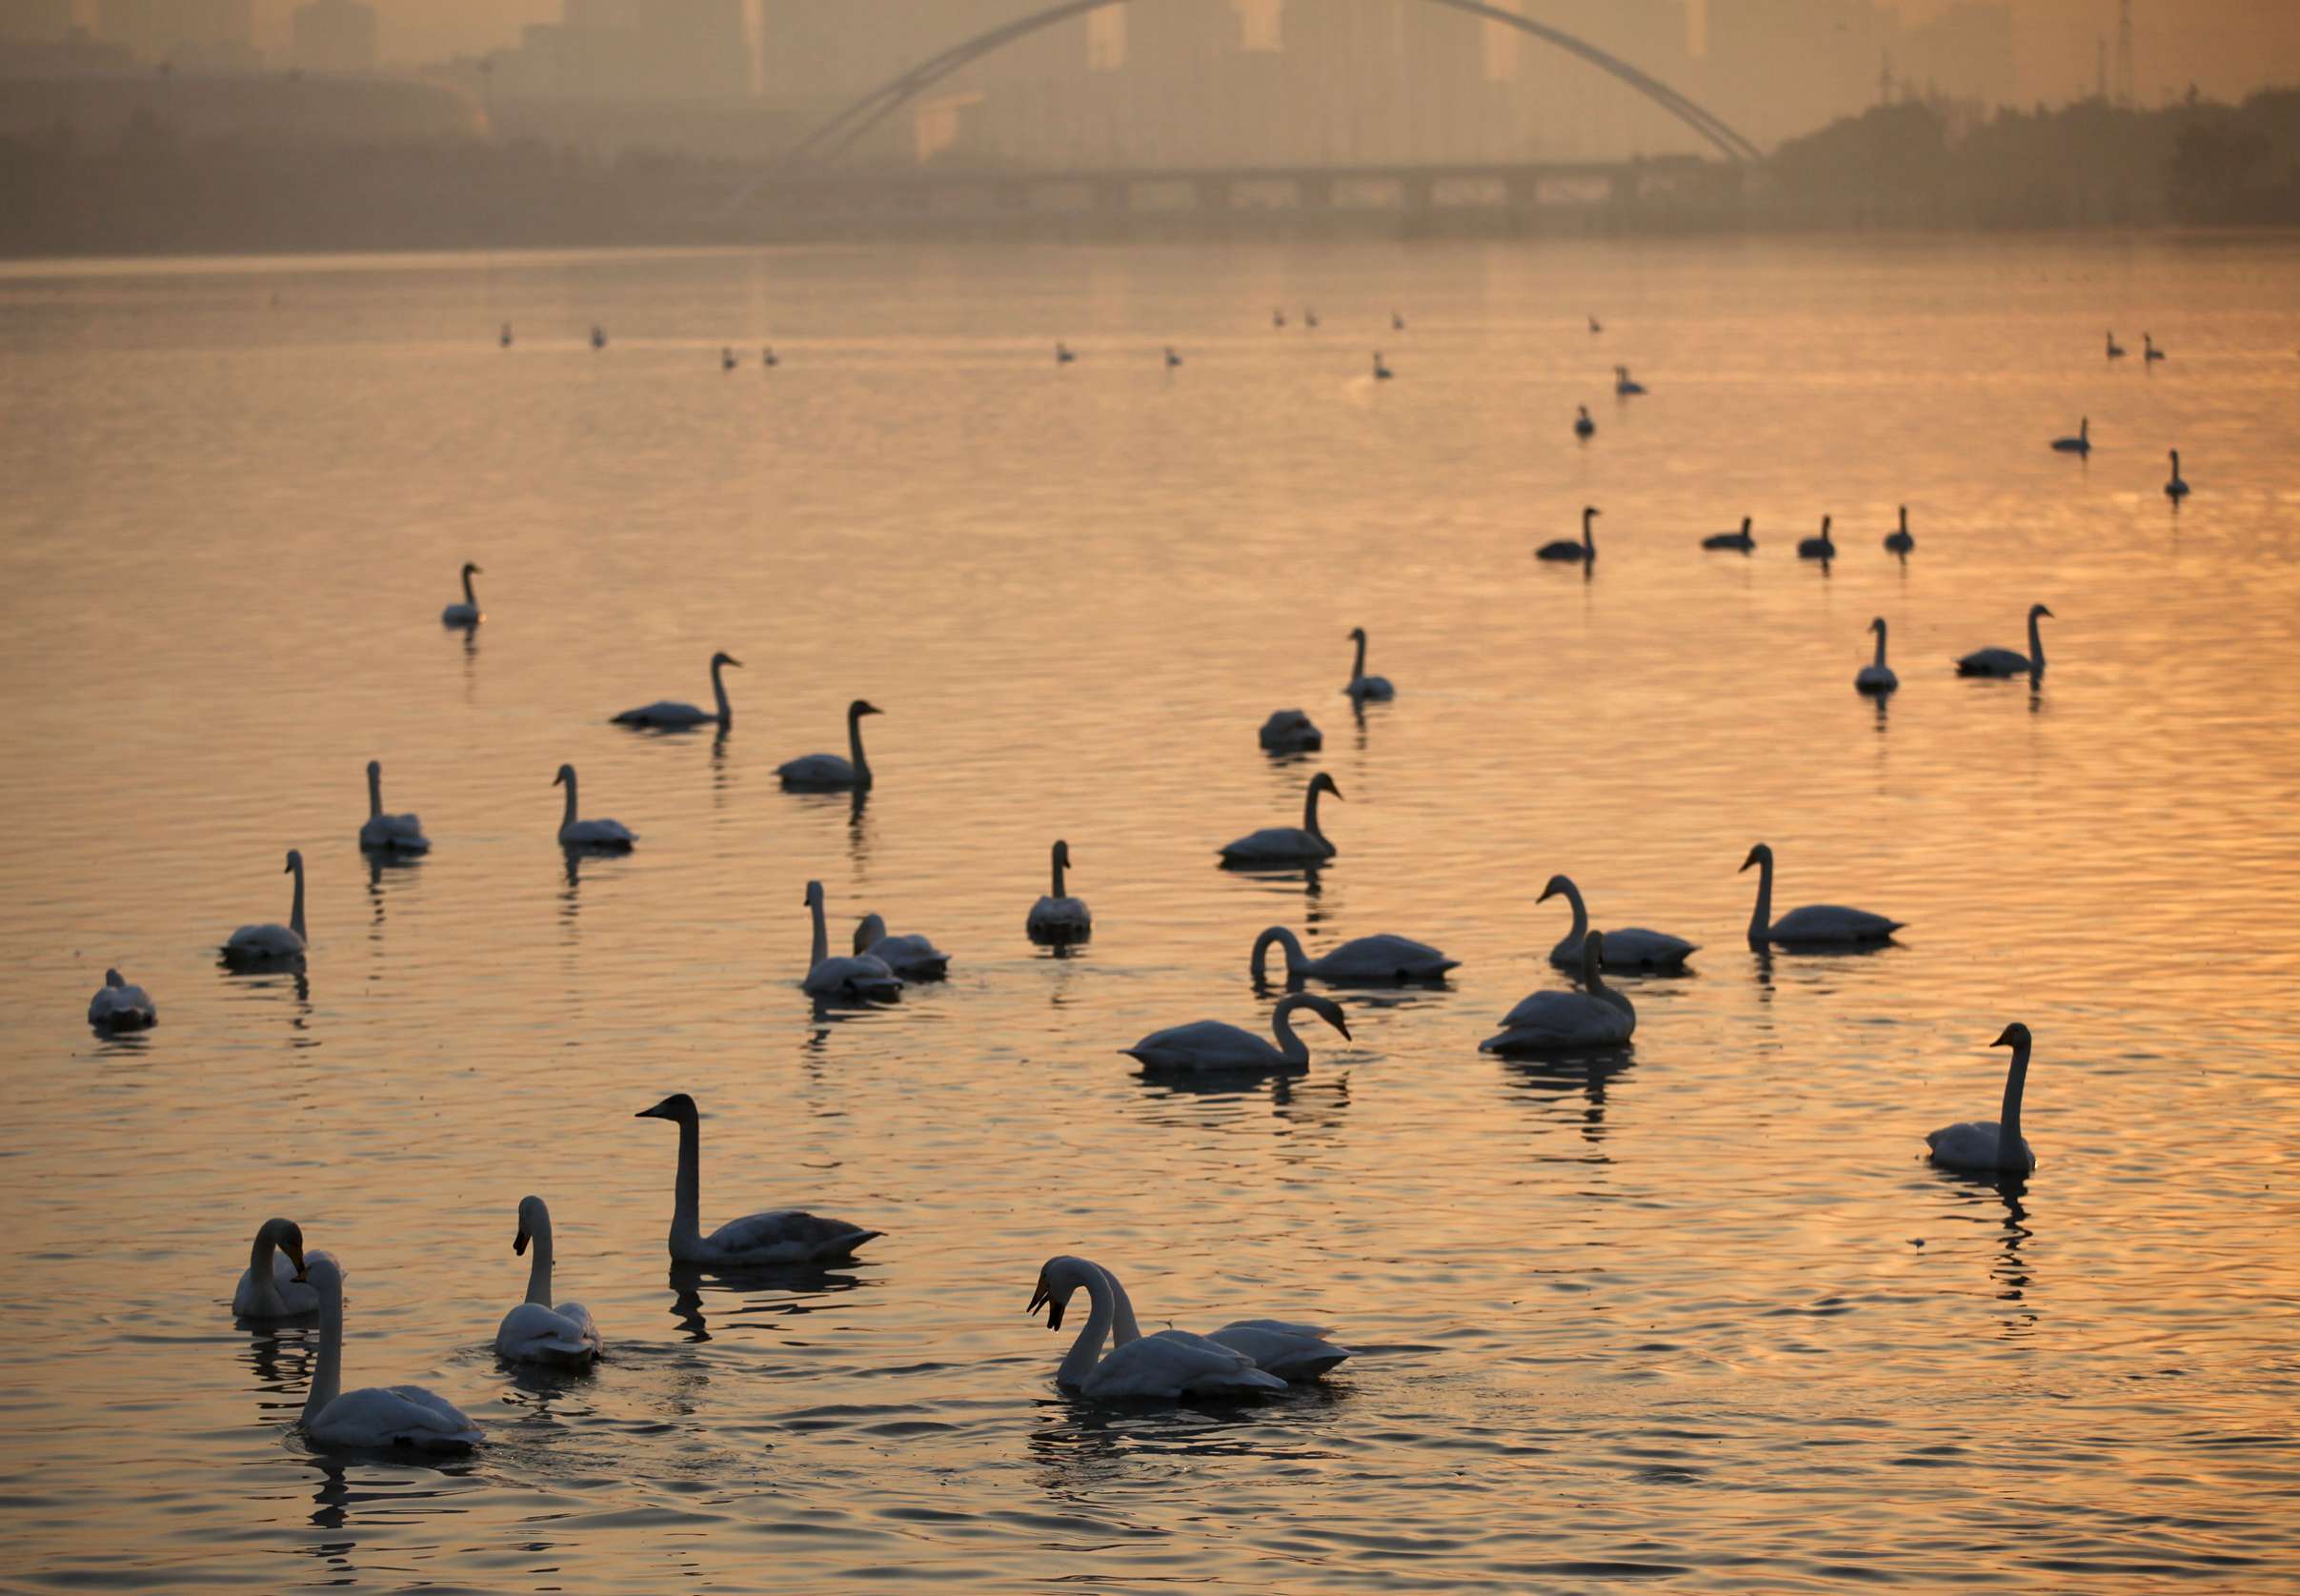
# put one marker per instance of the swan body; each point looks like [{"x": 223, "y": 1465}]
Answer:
[
  {"x": 1566, "y": 549},
  {"x": 1630, "y": 949},
  {"x": 118, "y": 1006},
  {"x": 1877, "y": 677},
  {"x": 1162, "y": 1366},
  {"x": 468, "y": 613},
  {"x": 2080, "y": 444},
  {"x": 862, "y": 976},
  {"x": 666, "y": 713},
  {"x": 777, "y": 1235},
  {"x": 1743, "y": 539},
  {"x": 1210, "y": 1045},
  {"x": 2116, "y": 350},
  {"x": 1583, "y": 426},
  {"x": 912, "y": 957},
  {"x": 1814, "y": 925},
  {"x": 1283, "y": 1347},
  {"x": 1059, "y": 918},
  {"x": 1378, "y": 961},
  {"x": 2003, "y": 662},
  {"x": 1992, "y": 1143},
  {"x": 588, "y": 834},
  {"x": 1547, "y": 1021},
  {"x": 536, "y": 1331},
  {"x": 374, "y": 1417},
  {"x": 1900, "y": 542},
  {"x": 272, "y": 1285},
  {"x": 274, "y": 942},
  {"x": 1622, "y": 385},
  {"x": 2148, "y": 349},
  {"x": 1363, "y": 688},
  {"x": 390, "y": 834},
  {"x": 1303, "y": 844},
  {"x": 2176, "y": 489},
  {"x": 1289, "y": 731},
  {"x": 828, "y": 773},
  {"x": 1823, "y": 547}
]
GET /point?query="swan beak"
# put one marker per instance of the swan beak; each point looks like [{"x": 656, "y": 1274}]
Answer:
[
  {"x": 655, "y": 1113},
  {"x": 2006, "y": 1038},
  {"x": 519, "y": 1245},
  {"x": 1547, "y": 893},
  {"x": 737, "y": 663},
  {"x": 1344, "y": 1026},
  {"x": 1746, "y": 863}
]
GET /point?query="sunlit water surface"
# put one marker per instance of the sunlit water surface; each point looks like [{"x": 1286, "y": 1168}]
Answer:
[{"x": 1698, "y": 1317}]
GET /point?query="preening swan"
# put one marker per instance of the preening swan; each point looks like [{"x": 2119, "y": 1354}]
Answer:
[
  {"x": 273, "y": 1284},
  {"x": 1566, "y": 549},
  {"x": 1303, "y": 844},
  {"x": 1622, "y": 383},
  {"x": 1631, "y": 948},
  {"x": 1877, "y": 677},
  {"x": 390, "y": 834},
  {"x": 1900, "y": 542},
  {"x": 118, "y": 1006},
  {"x": 1213, "y": 1046},
  {"x": 1059, "y": 918},
  {"x": 2148, "y": 349},
  {"x": 1815, "y": 924},
  {"x": 2175, "y": 489},
  {"x": 588, "y": 834},
  {"x": 1741, "y": 539},
  {"x": 536, "y": 1331},
  {"x": 2116, "y": 350},
  {"x": 2003, "y": 662},
  {"x": 1165, "y": 1365},
  {"x": 1289, "y": 731},
  {"x": 1546, "y": 1022},
  {"x": 1381, "y": 373},
  {"x": 912, "y": 957},
  {"x": 1363, "y": 688},
  {"x": 467, "y": 613},
  {"x": 1822, "y": 548},
  {"x": 1284, "y": 1347},
  {"x": 1378, "y": 961},
  {"x": 777, "y": 1235},
  {"x": 669, "y": 712},
  {"x": 860, "y": 976},
  {"x": 1992, "y": 1143},
  {"x": 2080, "y": 443},
  {"x": 1583, "y": 426},
  {"x": 828, "y": 773},
  {"x": 374, "y": 1416},
  {"x": 274, "y": 942}
]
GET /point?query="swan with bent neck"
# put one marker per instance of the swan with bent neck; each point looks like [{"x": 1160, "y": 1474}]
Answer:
[
  {"x": 2008, "y": 662},
  {"x": 1630, "y": 948},
  {"x": 1303, "y": 844},
  {"x": 1287, "y": 1348},
  {"x": 1992, "y": 1144},
  {"x": 828, "y": 773},
  {"x": 588, "y": 834},
  {"x": 536, "y": 1331},
  {"x": 1814, "y": 925},
  {"x": 1290, "y": 731},
  {"x": 1877, "y": 677},
  {"x": 255, "y": 942},
  {"x": 1360, "y": 687},
  {"x": 1546, "y": 1022},
  {"x": 1214, "y": 1045},
  {"x": 1164, "y": 1365},
  {"x": 467, "y": 613},
  {"x": 670, "y": 714},
  {"x": 373, "y": 1417},
  {"x": 1377, "y": 960},
  {"x": 390, "y": 834},
  {"x": 775, "y": 1236},
  {"x": 859, "y": 977},
  {"x": 272, "y": 1285},
  {"x": 118, "y": 1006},
  {"x": 1059, "y": 918},
  {"x": 913, "y": 958}
]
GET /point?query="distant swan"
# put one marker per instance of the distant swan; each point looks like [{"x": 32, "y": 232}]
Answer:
[
  {"x": 912, "y": 957},
  {"x": 1171, "y": 360},
  {"x": 1377, "y": 960},
  {"x": 537, "y": 1331},
  {"x": 1823, "y": 547},
  {"x": 858, "y": 977},
  {"x": 1381, "y": 373},
  {"x": 1057, "y": 918},
  {"x": 392, "y": 833},
  {"x": 1583, "y": 426},
  {"x": 599, "y": 336},
  {"x": 2080, "y": 443},
  {"x": 2116, "y": 350},
  {"x": 274, "y": 942},
  {"x": 588, "y": 834},
  {"x": 1309, "y": 319},
  {"x": 2003, "y": 662},
  {"x": 1397, "y": 322},
  {"x": 272, "y": 1285},
  {"x": 1742, "y": 540},
  {"x": 1303, "y": 844},
  {"x": 1631, "y": 948},
  {"x": 1289, "y": 731},
  {"x": 669, "y": 712},
  {"x": 777, "y": 1235},
  {"x": 2176, "y": 490},
  {"x": 1165, "y": 1365},
  {"x": 467, "y": 613},
  {"x": 1595, "y": 326},
  {"x": 1622, "y": 385},
  {"x": 1277, "y": 318},
  {"x": 1289, "y": 1349},
  {"x": 1062, "y": 354},
  {"x": 118, "y": 1006},
  {"x": 1584, "y": 552},
  {"x": 2148, "y": 349},
  {"x": 505, "y": 337},
  {"x": 768, "y": 358},
  {"x": 1900, "y": 542},
  {"x": 1547, "y": 1022},
  {"x": 1998, "y": 1143},
  {"x": 1814, "y": 925},
  {"x": 374, "y": 1416},
  {"x": 1877, "y": 677},
  {"x": 828, "y": 773},
  {"x": 1214, "y": 1046},
  {"x": 726, "y": 360},
  {"x": 1363, "y": 688}
]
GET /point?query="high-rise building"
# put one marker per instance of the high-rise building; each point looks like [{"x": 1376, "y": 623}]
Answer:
[{"x": 333, "y": 36}]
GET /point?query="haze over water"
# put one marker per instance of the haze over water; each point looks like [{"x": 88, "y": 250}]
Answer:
[{"x": 1696, "y": 1318}]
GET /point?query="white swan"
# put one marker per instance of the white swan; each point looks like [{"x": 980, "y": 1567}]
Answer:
[
  {"x": 1815, "y": 924},
  {"x": 1211, "y": 1045},
  {"x": 1165, "y": 1365},
  {"x": 670, "y": 713},
  {"x": 468, "y": 613},
  {"x": 2148, "y": 349},
  {"x": 536, "y": 1331},
  {"x": 828, "y": 773},
  {"x": 1057, "y": 918},
  {"x": 777, "y": 1235},
  {"x": 1284, "y": 1347},
  {"x": 1303, "y": 844},
  {"x": 1742, "y": 540},
  {"x": 588, "y": 834},
  {"x": 912, "y": 957},
  {"x": 1583, "y": 426},
  {"x": 2175, "y": 489},
  {"x": 1877, "y": 677},
  {"x": 1900, "y": 542},
  {"x": 390, "y": 834},
  {"x": 1546, "y": 1022},
  {"x": 1289, "y": 731},
  {"x": 118, "y": 1006},
  {"x": 1622, "y": 383},
  {"x": 374, "y": 1416},
  {"x": 2080, "y": 443},
  {"x": 1566, "y": 549},
  {"x": 2005, "y": 662},
  {"x": 1377, "y": 960},
  {"x": 1630, "y": 948},
  {"x": 272, "y": 1285},
  {"x": 274, "y": 942},
  {"x": 1823, "y": 547},
  {"x": 1362, "y": 687},
  {"x": 859, "y": 977},
  {"x": 1992, "y": 1143}
]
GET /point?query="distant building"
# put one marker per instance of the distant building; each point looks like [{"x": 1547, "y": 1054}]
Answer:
[
  {"x": 631, "y": 50},
  {"x": 333, "y": 36}
]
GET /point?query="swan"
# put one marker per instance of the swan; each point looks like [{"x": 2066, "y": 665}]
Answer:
[
  {"x": 1992, "y": 1143},
  {"x": 536, "y": 1331},
  {"x": 1167, "y": 1365},
  {"x": 118, "y": 1006},
  {"x": 468, "y": 613},
  {"x": 912, "y": 957},
  {"x": 1631, "y": 948},
  {"x": 1900, "y": 542},
  {"x": 1381, "y": 373},
  {"x": 2080, "y": 443},
  {"x": 273, "y": 1284},
  {"x": 1062, "y": 354},
  {"x": 1397, "y": 322},
  {"x": 392, "y": 834},
  {"x": 599, "y": 336},
  {"x": 2003, "y": 662},
  {"x": 274, "y": 942},
  {"x": 1878, "y": 677},
  {"x": 669, "y": 712},
  {"x": 505, "y": 338},
  {"x": 1566, "y": 549},
  {"x": 2148, "y": 349},
  {"x": 1210, "y": 1045},
  {"x": 1277, "y": 317},
  {"x": 1283, "y": 1347},
  {"x": 1544, "y": 1022},
  {"x": 1303, "y": 844},
  {"x": 1583, "y": 426},
  {"x": 1815, "y": 924},
  {"x": 1742, "y": 540},
  {"x": 859, "y": 977},
  {"x": 2116, "y": 350},
  {"x": 1823, "y": 547},
  {"x": 1622, "y": 385},
  {"x": 1057, "y": 918},
  {"x": 1378, "y": 961},
  {"x": 588, "y": 834},
  {"x": 2176, "y": 490},
  {"x": 1309, "y": 320},
  {"x": 1171, "y": 360},
  {"x": 768, "y": 358},
  {"x": 726, "y": 360},
  {"x": 1289, "y": 731},
  {"x": 828, "y": 773},
  {"x": 374, "y": 1416},
  {"x": 777, "y": 1236},
  {"x": 1363, "y": 688},
  {"x": 1595, "y": 326}
]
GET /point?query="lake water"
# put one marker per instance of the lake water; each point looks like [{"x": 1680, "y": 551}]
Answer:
[{"x": 1698, "y": 1317}]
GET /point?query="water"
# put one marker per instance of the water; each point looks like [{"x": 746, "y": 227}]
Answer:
[{"x": 1695, "y": 1319}]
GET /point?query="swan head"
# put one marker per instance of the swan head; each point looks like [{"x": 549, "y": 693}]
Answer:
[
  {"x": 322, "y": 1273},
  {"x": 1062, "y": 854},
  {"x": 723, "y": 657},
  {"x": 288, "y": 1238},
  {"x": 1588, "y": 511},
  {"x": 112, "y": 978},
  {"x": 471, "y": 569},
  {"x": 1824, "y": 523},
  {"x": 1747, "y": 522},
  {"x": 814, "y": 896},
  {"x": 1558, "y": 885},
  {"x": 1878, "y": 626},
  {"x": 1322, "y": 782},
  {"x": 296, "y": 863},
  {"x": 1357, "y": 634},
  {"x": 2036, "y": 610},
  {"x": 868, "y": 932},
  {"x": 863, "y": 706},
  {"x": 1058, "y": 1279},
  {"x": 679, "y": 1109},
  {"x": 374, "y": 769},
  {"x": 565, "y": 778},
  {"x": 535, "y": 1219},
  {"x": 1761, "y": 853},
  {"x": 1326, "y": 1009},
  {"x": 2014, "y": 1036}
]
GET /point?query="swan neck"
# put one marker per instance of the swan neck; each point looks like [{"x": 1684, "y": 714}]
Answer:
[
  {"x": 1309, "y": 812},
  {"x": 1057, "y": 873},
  {"x": 1087, "y": 1351},
  {"x": 296, "y": 911},
  {"x": 2036, "y": 644},
  {"x": 1281, "y": 1022},
  {"x": 822, "y": 936},
  {"x": 2009, "y": 1117},
  {"x": 374, "y": 794},
  {"x": 1761, "y": 919},
  {"x": 468, "y": 597},
  {"x": 259, "y": 1266},
  {"x": 1358, "y": 670},
  {"x": 718, "y": 690},
  {"x": 1295, "y": 963},
  {"x": 1589, "y": 532},
  {"x": 1880, "y": 645},
  {"x": 327, "y": 1378},
  {"x": 687, "y": 1198},
  {"x": 854, "y": 746},
  {"x": 538, "y": 1268},
  {"x": 569, "y": 817},
  {"x": 1122, "y": 1325}
]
